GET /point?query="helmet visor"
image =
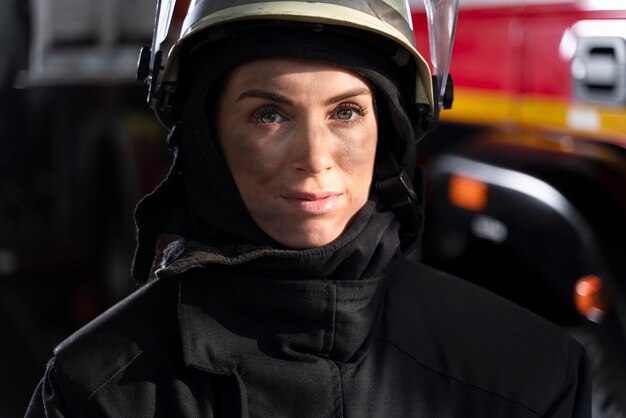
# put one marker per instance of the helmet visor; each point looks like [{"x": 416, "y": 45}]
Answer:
[{"x": 442, "y": 15}]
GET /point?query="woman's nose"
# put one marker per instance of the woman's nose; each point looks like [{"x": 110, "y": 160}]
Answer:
[{"x": 313, "y": 149}]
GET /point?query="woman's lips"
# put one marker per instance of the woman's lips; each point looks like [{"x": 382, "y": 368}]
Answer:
[{"x": 313, "y": 203}]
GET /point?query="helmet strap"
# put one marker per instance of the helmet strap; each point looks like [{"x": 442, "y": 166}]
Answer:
[{"x": 395, "y": 187}]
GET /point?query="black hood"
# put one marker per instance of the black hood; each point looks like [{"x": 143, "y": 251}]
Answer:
[{"x": 200, "y": 201}]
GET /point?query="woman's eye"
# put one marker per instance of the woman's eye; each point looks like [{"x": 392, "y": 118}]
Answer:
[
  {"x": 265, "y": 116},
  {"x": 349, "y": 112},
  {"x": 345, "y": 114},
  {"x": 270, "y": 117}
]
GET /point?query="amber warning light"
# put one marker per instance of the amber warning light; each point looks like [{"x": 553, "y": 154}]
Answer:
[
  {"x": 591, "y": 298},
  {"x": 467, "y": 193}
]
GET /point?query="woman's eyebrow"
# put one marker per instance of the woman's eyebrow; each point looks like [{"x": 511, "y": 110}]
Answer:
[
  {"x": 262, "y": 94},
  {"x": 347, "y": 95}
]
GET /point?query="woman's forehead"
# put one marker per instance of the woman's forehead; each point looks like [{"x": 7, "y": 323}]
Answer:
[{"x": 289, "y": 73}]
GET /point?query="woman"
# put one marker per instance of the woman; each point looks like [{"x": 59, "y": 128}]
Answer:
[{"x": 294, "y": 290}]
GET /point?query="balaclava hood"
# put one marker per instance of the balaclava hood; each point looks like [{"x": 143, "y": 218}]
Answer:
[{"x": 199, "y": 199}]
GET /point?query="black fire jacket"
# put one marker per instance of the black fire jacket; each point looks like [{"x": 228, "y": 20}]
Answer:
[{"x": 414, "y": 343}]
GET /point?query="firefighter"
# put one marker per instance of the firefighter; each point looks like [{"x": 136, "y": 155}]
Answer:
[{"x": 294, "y": 289}]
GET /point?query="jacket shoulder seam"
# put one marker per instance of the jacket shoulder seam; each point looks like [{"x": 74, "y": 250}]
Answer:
[
  {"x": 113, "y": 374},
  {"x": 499, "y": 395}
]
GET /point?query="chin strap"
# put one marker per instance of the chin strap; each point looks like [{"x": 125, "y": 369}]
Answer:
[
  {"x": 397, "y": 190},
  {"x": 395, "y": 187},
  {"x": 393, "y": 184}
]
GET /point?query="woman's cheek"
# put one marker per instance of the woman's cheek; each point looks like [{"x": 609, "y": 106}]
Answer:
[
  {"x": 257, "y": 156},
  {"x": 357, "y": 149}
]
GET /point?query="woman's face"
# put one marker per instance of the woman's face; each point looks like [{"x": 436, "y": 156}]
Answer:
[{"x": 300, "y": 140}]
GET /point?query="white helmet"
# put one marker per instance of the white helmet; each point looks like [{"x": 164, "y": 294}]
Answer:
[{"x": 389, "y": 19}]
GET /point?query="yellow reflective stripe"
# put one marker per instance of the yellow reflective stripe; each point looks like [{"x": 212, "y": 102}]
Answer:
[
  {"x": 479, "y": 106},
  {"x": 476, "y": 106}
]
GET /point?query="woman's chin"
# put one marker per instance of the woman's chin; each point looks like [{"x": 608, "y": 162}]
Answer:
[{"x": 308, "y": 236}]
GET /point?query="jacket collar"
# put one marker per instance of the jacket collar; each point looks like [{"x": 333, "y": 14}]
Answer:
[
  {"x": 226, "y": 319},
  {"x": 242, "y": 301}
]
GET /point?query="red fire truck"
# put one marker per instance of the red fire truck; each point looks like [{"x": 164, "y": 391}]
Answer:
[{"x": 527, "y": 172}]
